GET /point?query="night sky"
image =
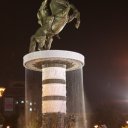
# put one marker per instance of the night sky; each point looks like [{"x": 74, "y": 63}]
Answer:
[{"x": 102, "y": 38}]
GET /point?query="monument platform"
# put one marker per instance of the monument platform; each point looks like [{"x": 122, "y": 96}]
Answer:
[{"x": 35, "y": 60}]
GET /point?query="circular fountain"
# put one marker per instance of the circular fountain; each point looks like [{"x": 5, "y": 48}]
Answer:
[{"x": 54, "y": 108}]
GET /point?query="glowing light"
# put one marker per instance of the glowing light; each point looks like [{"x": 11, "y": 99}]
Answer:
[
  {"x": 96, "y": 126},
  {"x": 22, "y": 102},
  {"x": 8, "y": 127},
  {"x": 16, "y": 102},
  {"x": 30, "y": 103},
  {"x": 30, "y": 109},
  {"x": 2, "y": 89}
]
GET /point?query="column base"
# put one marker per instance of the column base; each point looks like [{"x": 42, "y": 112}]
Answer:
[{"x": 58, "y": 120}]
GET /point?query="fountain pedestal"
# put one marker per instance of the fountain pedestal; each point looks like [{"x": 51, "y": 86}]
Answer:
[{"x": 53, "y": 64}]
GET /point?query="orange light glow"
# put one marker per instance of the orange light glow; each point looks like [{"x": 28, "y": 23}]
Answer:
[
  {"x": 2, "y": 89},
  {"x": 96, "y": 126}
]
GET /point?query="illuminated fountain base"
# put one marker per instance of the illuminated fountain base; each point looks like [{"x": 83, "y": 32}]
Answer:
[{"x": 53, "y": 64}]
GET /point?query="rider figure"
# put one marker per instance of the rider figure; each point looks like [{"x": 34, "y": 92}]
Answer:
[{"x": 53, "y": 15}]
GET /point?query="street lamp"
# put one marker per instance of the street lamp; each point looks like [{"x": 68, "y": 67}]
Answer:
[{"x": 2, "y": 89}]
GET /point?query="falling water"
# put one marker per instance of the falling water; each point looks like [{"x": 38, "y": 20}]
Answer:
[
  {"x": 33, "y": 99},
  {"x": 75, "y": 98}
]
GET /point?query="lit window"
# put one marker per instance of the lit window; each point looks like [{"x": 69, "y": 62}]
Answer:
[{"x": 30, "y": 109}]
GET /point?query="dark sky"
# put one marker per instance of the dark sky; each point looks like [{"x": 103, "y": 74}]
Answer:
[{"x": 102, "y": 38}]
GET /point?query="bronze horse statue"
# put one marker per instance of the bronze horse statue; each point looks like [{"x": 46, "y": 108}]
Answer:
[{"x": 52, "y": 16}]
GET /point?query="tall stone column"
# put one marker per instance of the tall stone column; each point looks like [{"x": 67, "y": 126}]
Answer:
[{"x": 54, "y": 94}]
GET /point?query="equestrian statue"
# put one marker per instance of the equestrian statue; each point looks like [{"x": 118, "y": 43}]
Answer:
[{"x": 52, "y": 16}]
